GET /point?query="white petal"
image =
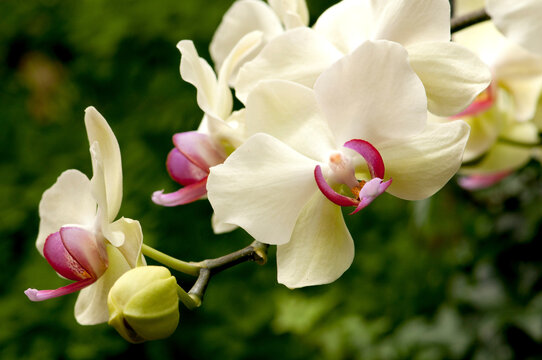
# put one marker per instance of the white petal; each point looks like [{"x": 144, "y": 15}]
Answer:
[
  {"x": 421, "y": 165},
  {"x": 346, "y": 24},
  {"x": 91, "y": 305},
  {"x": 484, "y": 130},
  {"x": 241, "y": 52},
  {"x": 290, "y": 113},
  {"x": 220, "y": 227},
  {"x": 126, "y": 234},
  {"x": 452, "y": 75},
  {"x": 410, "y": 22},
  {"x": 213, "y": 97},
  {"x": 299, "y": 55},
  {"x": 108, "y": 156},
  {"x": 262, "y": 187},
  {"x": 521, "y": 74},
  {"x": 501, "y": 157},
  {"x": 243, "y": 17},
  {"x": 293, "y": 13},
  {"x": 68, "y": 201},
  {"x": 321, "y": 249},
  {"x": 519, "y": 21},
  {"x": 372, "y": 94}
]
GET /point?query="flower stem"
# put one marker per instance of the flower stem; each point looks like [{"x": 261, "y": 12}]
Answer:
[
  {"x": 469, "y": 19},
  {"x": 188, "y": 300},
  {"x": 176, "y": 264}
]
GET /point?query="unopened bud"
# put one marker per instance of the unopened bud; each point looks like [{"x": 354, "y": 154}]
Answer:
[{"x": 143, "y": 304}]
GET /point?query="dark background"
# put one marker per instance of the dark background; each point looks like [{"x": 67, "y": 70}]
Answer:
[{"x": 457, "y": 276}]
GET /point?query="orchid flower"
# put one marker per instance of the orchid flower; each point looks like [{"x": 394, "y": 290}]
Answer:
[
  {"x": 361, "y": 131},
  {"x": 451, "y": 74},
  {"x": 519, "y": 21},
  {"x": 246, "y": 16},
  {"x": 502, "y": 130},
  {"x": 220, "y": 131},
  {"x": 78, "y": 235}
]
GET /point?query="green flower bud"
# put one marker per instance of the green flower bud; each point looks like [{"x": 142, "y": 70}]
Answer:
[{"x": 143, "y": 304}]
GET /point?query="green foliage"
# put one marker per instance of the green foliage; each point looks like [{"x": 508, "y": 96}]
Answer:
[{"x": 457, "y": 276}]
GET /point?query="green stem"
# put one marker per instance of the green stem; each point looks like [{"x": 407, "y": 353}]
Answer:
[
  {"x": 169, "y": 261},
  {"x": 188, "y": 300}
]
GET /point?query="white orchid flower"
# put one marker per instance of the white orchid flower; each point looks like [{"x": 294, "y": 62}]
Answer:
[
  {"x": 365, "y": 119},
  {"x": 246, "y": 16},
  {"x": 220, "y": 131},
  {"x": 502, "y": 130},
  {"x": 78, "y": 234},
  {"x": 451, "y": 74},
  {"x": 519, "y": 21}
]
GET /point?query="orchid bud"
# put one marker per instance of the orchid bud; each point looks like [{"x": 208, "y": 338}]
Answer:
[{"x": 143, "y": 304}]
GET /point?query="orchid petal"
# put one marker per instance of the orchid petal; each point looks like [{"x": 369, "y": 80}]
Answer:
[
  {"x": 346, "y": 24},
  {"x": 62, "y": 261},
  {"x": 484, "y": 131},
  {"x": 321, "y": 249},
  {"x": 68, "y": 201},
  {"x": 213, "y": 97},
  {"x": 519, "y": 21},
  {"x": 133, "y": 235},
  {"x": 372, "y": 94},
  {"x": 452, "y": 75},
  {"x": 40, "y": 295},
  {"x": 308, "y": 55},
  {"x": 293, "y": 13},
  {"x": 99, "y": 132},
  {"x": 91, "y": 305},
  {"x": 290, "y": 113},
  {"x": 243, "y": 51},
  {"x": 422, "y": 164},
  {"x": 328, "y": 191},
  {"x": 370, "y": 154},
  {"x": 262, "y": 187},
  {"x": 501, "y": 157},
  {"x": 243, "y": 17},
  {"x": 185, "y": 195},
  {"x": 199, "y": 149},
  {"x": 220, "y": 227},
  {"x": 183, "y": 170},
  {"x": 83, "y": 246},
  {"x": 410, "y": 22},
  {"x": 482, "y": 181},
  {"x": 370, "y": 191}
]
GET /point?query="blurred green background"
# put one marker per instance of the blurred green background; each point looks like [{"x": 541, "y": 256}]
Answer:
[{"x": 457, "y": 276}]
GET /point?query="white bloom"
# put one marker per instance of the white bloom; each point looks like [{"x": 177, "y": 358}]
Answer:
[
  {"x": 370, "y": 103},
  {"x": 78, "y": 233}
]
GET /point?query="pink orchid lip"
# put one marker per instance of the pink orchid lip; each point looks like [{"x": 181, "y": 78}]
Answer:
[
  {"x": 482, "y": 103},
  {"x": 182, "y": 170},
  {"x": 75, "y": 254},
  {"x": 199, "y": 149},
  {"x": 184, "y": 195},
  {"x": 482, "y": 181},
  {"x": 366, "y": 192}
]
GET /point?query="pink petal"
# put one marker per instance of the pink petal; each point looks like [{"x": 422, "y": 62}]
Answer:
[
  {"x": 199, "y": 149},
  {"x": 86, "y": 249},
  {"x": 329, "y": 193},
  {"x": 482, "y": 181},
  {"x": 182, "y": 196},
  {"x": 370, "y": 154},
  {"x": 183, "y": 170},
  {"x": 61, "y": 260},
  {"x": 370, "y": 191},
  {"x": 40, "y": 295}
]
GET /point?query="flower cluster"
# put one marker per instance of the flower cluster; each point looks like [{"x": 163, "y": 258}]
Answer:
[{"x": 332, "y": 115}]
